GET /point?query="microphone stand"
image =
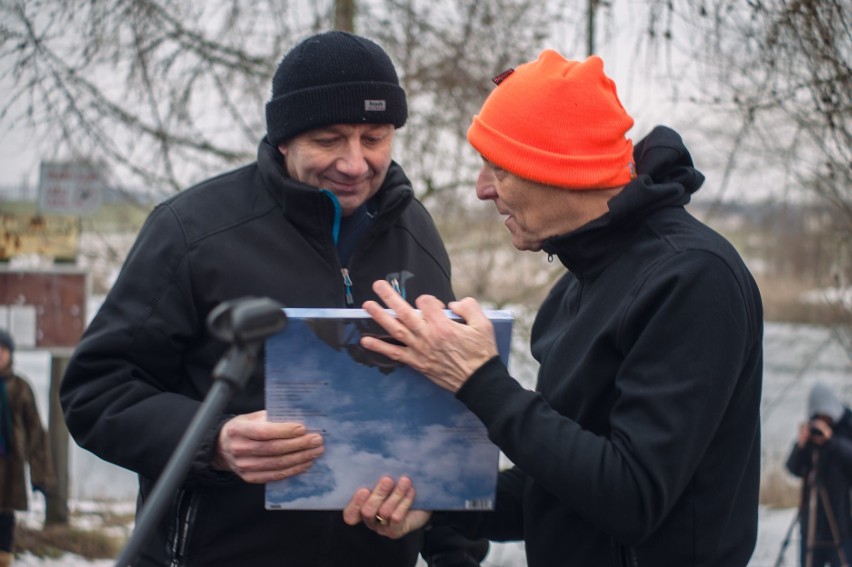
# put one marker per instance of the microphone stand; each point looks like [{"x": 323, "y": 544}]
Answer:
[{"x": 245, "y": 323}]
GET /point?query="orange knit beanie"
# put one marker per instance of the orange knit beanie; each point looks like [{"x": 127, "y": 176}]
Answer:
[{"x": 557, "y": 122}]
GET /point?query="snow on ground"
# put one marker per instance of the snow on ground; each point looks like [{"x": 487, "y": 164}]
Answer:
[
  {"x": 85, "y": 515},
  {"x": 796, "y": 356},
  {"x": 28, "y": 560}
]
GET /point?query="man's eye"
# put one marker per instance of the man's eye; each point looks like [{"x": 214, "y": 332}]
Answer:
[
  {"x": 326, "y": 141},
  {"x": 373, "y": 140}
]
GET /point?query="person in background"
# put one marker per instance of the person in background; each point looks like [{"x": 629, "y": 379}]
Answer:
[
  {"x": 641, "y": 442},
  {"x": 320, "y": 215},
  {"x": 23, "y": 441},
  {"x": 822, "y": 457}
]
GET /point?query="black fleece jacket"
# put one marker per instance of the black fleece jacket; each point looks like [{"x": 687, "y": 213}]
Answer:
[
  {"x": 641, "y": 443},
  {"x": 143, "y": 365}
]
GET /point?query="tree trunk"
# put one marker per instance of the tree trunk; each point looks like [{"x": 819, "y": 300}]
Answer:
[{"x": 344, "y": 15}]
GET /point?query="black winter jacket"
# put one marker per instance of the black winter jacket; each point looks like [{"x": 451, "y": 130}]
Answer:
[
  {"x": 834, "y": 473},
  {"x": 641, "y": 444},
  {"x": 143, "y": 365}
]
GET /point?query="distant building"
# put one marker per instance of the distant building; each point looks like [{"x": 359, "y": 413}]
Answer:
[{"x": 26, "y": 193}]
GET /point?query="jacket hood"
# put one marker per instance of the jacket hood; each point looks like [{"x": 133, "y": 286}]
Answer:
[{"x": 665, "y": 178}]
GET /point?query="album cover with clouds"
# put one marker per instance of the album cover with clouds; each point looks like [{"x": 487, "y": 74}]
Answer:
[{"x": 377, "y": 416}]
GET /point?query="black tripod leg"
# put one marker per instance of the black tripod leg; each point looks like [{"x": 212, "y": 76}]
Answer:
[
  {"x": 812, "y": 508},
  {"x": 780, "y": 560},
  {"x": 832, "y": 523}
]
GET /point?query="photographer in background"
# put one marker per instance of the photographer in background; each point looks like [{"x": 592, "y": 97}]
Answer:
[{"x": 822, "y": 457}]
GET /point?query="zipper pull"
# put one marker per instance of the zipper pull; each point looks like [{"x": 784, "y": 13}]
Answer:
[
  {"x": 396, "y": 287},
  {"x": 347, "y": 283}
]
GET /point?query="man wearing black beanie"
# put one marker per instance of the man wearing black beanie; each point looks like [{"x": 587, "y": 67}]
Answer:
[{"x": 320, "y": 215}]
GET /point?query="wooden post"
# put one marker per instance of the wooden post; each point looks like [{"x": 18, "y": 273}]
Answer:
[{"x": 57, "y": 501}]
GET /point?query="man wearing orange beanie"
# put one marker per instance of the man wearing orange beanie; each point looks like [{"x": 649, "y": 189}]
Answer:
[{"x": 641, "y": 443}]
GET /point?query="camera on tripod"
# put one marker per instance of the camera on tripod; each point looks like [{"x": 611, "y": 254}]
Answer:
[{"x": 814, "y": 430}]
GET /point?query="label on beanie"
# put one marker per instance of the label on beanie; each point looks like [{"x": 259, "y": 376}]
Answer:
[{"x": 375, "y": 105}]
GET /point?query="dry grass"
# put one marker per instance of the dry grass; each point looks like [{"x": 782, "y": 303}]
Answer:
[
  {"x": 779, "y": 489},
  {"x": 782, "y": 302},
  {"x": 56, "y": 540}
]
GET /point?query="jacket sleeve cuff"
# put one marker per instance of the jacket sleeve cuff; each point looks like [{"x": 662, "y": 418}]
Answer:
[
  {"x": 487, "y": 389},
  {"x": 476, "y": 379},
  {"x": 201, "y": 471}
]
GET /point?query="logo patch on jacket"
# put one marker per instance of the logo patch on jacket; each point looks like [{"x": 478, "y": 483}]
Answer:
[{"x": 398, "y": 280}]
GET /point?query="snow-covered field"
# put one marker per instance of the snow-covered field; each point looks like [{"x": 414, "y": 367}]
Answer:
[{"x": 796, "y": 356}]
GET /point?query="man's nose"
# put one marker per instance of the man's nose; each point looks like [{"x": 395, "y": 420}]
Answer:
[
  {"x": 485, "y": 190},
  {"x": 353, "y": 162}
]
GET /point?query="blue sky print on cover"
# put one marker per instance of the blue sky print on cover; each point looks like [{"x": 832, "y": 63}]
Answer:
[{"x": 377, "y": 417}]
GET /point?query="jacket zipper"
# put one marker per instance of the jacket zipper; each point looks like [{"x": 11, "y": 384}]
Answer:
[
  {"x": 335, "y": 234},
  {"x": 183, "y": 520},
  {"x": 347, "y": 286}
]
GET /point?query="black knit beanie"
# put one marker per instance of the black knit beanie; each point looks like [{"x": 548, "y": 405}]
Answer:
[
  {"x": 333, "y": 78},
  {"x": 6, "y": 340}
]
